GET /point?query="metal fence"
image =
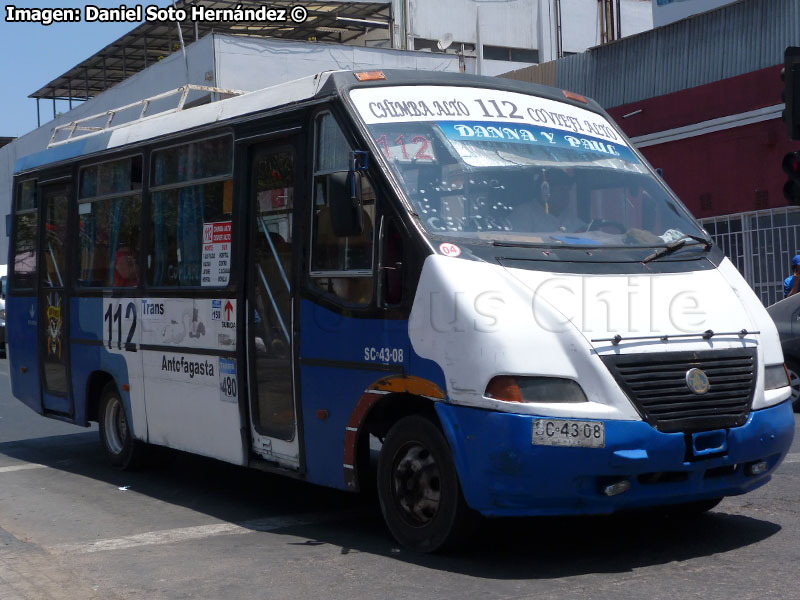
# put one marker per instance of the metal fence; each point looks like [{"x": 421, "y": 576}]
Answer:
[{"x": 761, "y": 244}]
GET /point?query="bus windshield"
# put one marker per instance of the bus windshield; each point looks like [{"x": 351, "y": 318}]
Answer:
[{"x": 499, "y": 166}]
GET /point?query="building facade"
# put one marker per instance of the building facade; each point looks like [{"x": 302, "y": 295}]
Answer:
[{"x": 701, "y": 98}]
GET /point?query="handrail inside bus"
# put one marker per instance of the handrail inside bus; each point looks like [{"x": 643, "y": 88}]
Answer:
[
  {"x": 275, "y": 253},
  {"x": 78, "y": 125},
  {"x": 55, "y": 265},
  {"x": 274, "y": 304}
]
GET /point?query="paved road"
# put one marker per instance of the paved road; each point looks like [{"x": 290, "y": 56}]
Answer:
[{"x": 188, "y": 527}]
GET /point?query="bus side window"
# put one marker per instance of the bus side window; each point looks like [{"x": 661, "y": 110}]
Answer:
[
  {"x": 272, "y": 251},
  {"x": 109, "y": 212},
  {"x": 56, "y": 202},
  {"x": 191, "y": 214},
  {"x": 340, "y": 266},
  {"x": 25, "y": 222}
]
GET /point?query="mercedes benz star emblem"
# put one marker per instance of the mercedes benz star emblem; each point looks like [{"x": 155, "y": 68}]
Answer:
[{"x": 697, "y": 381}]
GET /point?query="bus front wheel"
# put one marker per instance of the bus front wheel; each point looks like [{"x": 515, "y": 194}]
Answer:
[
  {"x": 418, "y": 487},
  {"x": 115, "y": 433}
]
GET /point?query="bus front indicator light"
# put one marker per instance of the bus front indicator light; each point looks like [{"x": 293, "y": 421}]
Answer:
[
  {"x": 547, "y": 390},
  {"x": 757, "y": 468},
  {"x": 370, "y": 75},
  {"x": 617, "y": 488},
  {"x": 504, "y": 388}
]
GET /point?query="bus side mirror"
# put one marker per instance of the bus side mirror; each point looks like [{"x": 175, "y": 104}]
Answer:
[{"x": 344, "y": 200}]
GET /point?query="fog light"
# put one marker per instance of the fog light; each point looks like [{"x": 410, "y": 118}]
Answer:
[
  {"x": 617, "y": 488},
  {"x": 758, "y": 468}
]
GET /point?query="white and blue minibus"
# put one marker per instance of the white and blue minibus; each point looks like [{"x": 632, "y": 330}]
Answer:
[{"x": 481, "y": 278}]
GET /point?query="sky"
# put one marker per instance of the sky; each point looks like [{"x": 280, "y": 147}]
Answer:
[{"x": 32, "y": 55}]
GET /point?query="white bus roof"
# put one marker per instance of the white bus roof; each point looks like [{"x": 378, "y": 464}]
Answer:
[
  {"x": 161, "y": 124},
  {"x": 283, "y": 94}
]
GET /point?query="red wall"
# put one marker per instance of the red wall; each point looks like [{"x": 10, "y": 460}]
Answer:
[{"x": 729, "y": 171}]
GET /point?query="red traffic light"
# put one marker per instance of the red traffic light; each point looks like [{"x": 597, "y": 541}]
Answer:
[{"x": 791, "y": 164}]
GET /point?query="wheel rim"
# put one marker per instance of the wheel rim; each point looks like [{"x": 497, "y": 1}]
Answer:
[
  {"x": 116, "y": 426},
  {"x": 794, "y": 381},
  {"x": 416, "y": 484}
]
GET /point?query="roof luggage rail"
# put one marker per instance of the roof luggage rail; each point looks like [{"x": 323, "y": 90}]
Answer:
[{"x": 109, "y": 115}]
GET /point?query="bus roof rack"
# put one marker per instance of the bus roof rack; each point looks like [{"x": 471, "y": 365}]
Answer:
[{"x": 80, "y": 125}]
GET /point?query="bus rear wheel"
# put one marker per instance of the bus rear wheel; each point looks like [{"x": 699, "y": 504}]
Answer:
[
  {"x": 115, "y": 433},
  {"x": 418, "y": 487}
]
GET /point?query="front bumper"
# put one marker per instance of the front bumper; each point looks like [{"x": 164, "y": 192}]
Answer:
[{"x": 503, "y": 474}]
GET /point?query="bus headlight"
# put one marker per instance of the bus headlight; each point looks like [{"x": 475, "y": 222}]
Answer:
[
  {"x": 775, "y": 376},
  {"x": 534, "y": 389},
  {"x": 2, "y": 314}
]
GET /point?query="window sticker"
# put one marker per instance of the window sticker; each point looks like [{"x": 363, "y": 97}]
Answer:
[
  {"x": 448, "y": 249},
  {"x": 216, "y": 253},
  {"x": 414, "y": 147},
  {"x": 188, "y": 323},
  {"x": 228, "y": 388}
]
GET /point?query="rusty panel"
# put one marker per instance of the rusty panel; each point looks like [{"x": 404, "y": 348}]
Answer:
[{"x": 544, "y": 73}]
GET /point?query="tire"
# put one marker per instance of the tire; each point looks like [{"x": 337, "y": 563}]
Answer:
[
  {"x": 115, "y": 433},
  {"x": 794, "y": 381},
  {"x": 418, "y": 487}
]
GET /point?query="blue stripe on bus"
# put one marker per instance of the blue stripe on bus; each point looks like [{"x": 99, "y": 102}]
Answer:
[
  {"x": 502, "y": 473},
  {"x": 330, "y": 336},
  {"x": 21, "y": 334},
  {"x": 94, "y": 143},
  {"x": 335, "y": 390},
  {"x": 86, "y": 322}
]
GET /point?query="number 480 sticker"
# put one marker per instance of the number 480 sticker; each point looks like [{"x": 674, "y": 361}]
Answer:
[{"x": 114, "y": 328}]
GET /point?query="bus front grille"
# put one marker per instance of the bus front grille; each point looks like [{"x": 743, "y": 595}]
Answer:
[{"x": 656, "y": 384}]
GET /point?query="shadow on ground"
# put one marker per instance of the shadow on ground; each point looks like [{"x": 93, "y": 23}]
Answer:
[{"x": 533, "y": 548}]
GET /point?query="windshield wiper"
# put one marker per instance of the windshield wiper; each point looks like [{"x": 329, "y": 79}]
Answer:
[
  {"x": 512, "y": 244},
  {"x": 676, "y": 244}
]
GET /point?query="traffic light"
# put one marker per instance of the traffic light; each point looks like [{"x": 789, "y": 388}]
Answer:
[
  {"x": 791, "y": 189},
  {"x": 791, "y": 91}
]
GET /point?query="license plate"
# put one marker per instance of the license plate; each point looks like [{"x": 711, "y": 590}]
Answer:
[{"x": 560, "y": 432}]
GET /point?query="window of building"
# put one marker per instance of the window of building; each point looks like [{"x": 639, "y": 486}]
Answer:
[
  {"x": 109, "y": 217},
  {"x": 191, "y": 214},
  {"x": 525, "y": 55},
  {"x": 433, "y": 45}
]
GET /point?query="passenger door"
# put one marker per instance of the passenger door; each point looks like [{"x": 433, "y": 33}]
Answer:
[
  {"x": 54, "y": 299},
  {"x": 270, "y": 306}
]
